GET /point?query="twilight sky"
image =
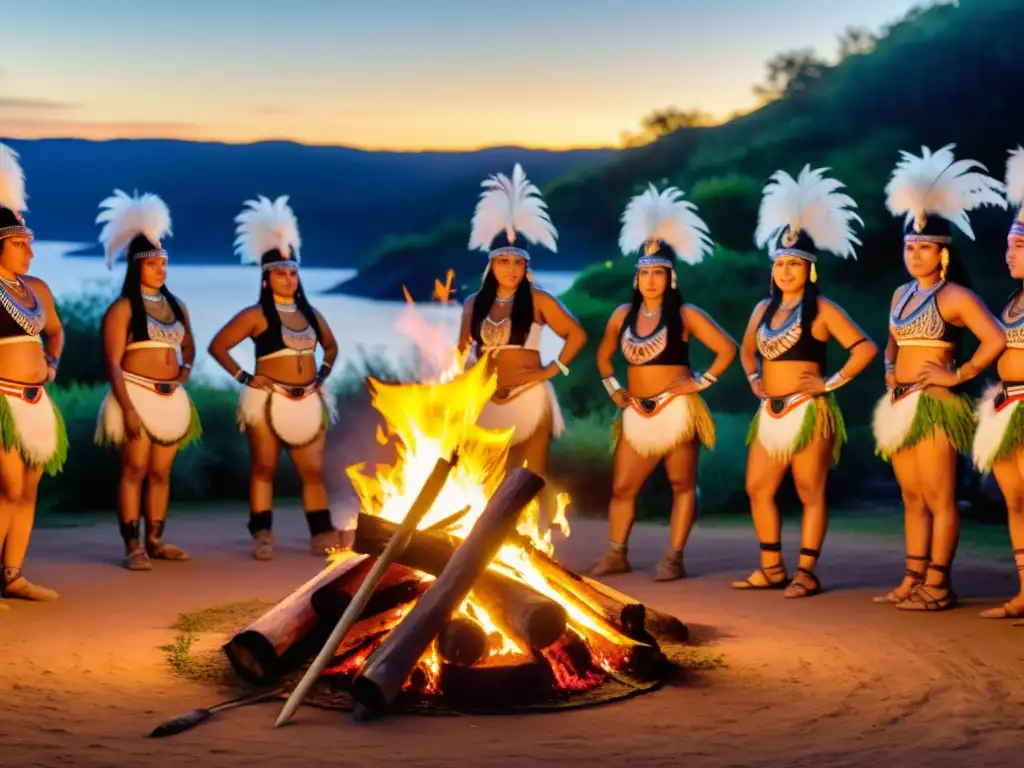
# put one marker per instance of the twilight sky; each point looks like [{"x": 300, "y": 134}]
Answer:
[{"x": 395, "y": 74}]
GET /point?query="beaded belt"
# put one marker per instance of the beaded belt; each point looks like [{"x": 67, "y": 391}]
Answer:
[
  {"x": 1010, "y": 393},
  {"x": 781, "y": 406},
  {"x": 160, "y": 387},
  {"x": 30, "y": 393}
]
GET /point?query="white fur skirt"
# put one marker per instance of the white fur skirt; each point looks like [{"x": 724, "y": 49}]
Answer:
[
  {"x": 165, "y": 410},
  {"x": 1000, "y": 432},
  {"x": 901, "y": 423},
  {"x": 295, "y": 421},
  {"x": 670, "y": 422},
  {"x": 31, "y": 424},
  {"x": 786, "y": 426},
  {"x": 525, "y": 412}
]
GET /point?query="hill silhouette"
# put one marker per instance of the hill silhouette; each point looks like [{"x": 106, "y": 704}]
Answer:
[
  {"x": 346, "y": 199},
  {"x": 942, "y": 74}
]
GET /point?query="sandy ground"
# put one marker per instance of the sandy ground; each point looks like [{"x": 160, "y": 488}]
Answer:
[{"x": 830, "y": 681}]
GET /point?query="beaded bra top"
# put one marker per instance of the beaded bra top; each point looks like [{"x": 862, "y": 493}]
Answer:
[
  {"x": 299, "y": 341},
  {"x": 496, "y": 335},
  {"x": 925, "y": 326},
  {"x": 28, "y": 320},
  {"x": 1014, "y": 329},
  {"x": 773, "y": 343},
  {"x": 656, "y": 348}
]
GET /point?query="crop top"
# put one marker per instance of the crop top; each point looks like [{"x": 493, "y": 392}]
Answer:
[
  {"x": 788, "y": 342},
  {"x": 159, "y": 335},
  {"x": 656, "y": 348},
  {"x": 925, "y": 326},
  {"x": 1014, "y": 329},
  {"x": 18, "y": 321},
  {"x": 288, "y": 343},
  {"x": 496, "y": 335}
]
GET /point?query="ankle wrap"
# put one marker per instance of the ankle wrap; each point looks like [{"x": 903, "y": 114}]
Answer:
[
  {"x": 155, "y": 530},
  {"x": 260, "y": 521},
  {"x": 129, "y": 531},
  {"x": 319, "y": 521},
  {"x": 771, "y": 546},
  {"x": 11, "y": 573},
  {"x": 617, "y": 548}
]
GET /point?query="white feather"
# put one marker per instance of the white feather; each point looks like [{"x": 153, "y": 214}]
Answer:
[
  {"x": 937, "y": 184},
  {"x": 12, "y": 180},
  {"x": 665, "y": 217},
  {"x": 123, "y": 217},
  {"x": 1015, "y": 177},
  {"x": 514, "y": 206},
  {"x": 265, "y": 226},
  {"x": 810, "y": 203}
]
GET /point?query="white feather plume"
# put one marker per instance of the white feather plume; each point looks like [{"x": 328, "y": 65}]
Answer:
[
  {"x": 264, "y": 226},
  {"x": 12, "y": 181},
  {"x": 665, "y": 217},
  {"x": 514, "y": 206},
  {"x": 123, "y": 217},
  {"x": 810, "y": 203},
  {"x": 1015, "y": 177},
  {"x": 937, "y": 184}
]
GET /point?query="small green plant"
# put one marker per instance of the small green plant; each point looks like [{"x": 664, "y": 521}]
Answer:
[{"x": 179, "y": 652}]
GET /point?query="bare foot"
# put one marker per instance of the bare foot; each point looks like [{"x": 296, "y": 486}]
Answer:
[{"x": 24, "y": 589}]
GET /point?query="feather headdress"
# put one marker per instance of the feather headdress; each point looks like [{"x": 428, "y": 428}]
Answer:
[
  {"x": 1015, "y": 188},
  {"x": 507, "y": 209},
  {"x": 267, "y": 228},
  {"x": 935, "y": 190},
  {"x": 12, "y": 195},
  {"x": 800, "y": 216},
  {"x": 133, "y": 226},
  {"x": 652, "y": 219}
]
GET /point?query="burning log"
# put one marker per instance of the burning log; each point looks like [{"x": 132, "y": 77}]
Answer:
[
  {"x": 462, "y": 642},
  {"x": 524, "y": 614},
  {"x": 387, "y": 670},
  {"x": 398, "y": 585},
  {"x": 429, "y": 551},
  {"x": 281, "y": 639}
]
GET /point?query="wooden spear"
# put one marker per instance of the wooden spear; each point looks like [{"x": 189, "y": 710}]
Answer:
[{"x": 422, "y": 504}]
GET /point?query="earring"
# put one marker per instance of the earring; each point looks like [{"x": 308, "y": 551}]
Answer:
[
  {"x": 674, "y": 283},
  {"x": 529, "y": 277},
  {"x": 814, "y": 273},
  {"x": 944, "y": 261},
  {"x": 634, "y": 280}
]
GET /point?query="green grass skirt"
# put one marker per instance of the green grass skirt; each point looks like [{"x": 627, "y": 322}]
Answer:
[
  {"x": 953, "y": 416},
  {"x": 822, "y": 417},
  {"x": 10, "y": 440}
]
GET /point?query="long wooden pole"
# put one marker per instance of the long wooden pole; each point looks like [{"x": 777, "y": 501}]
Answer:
[{"x": 424, "y": 501}]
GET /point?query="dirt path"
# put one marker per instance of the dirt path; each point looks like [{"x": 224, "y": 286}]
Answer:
[{"x": 831, "y": 681}]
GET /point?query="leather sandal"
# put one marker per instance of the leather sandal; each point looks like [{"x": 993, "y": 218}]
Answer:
[
  {"x": 23, "y": 589},
  {"x": 924, "y": 598},
  {"x": 797, "y": 587},
  {"x": 671, "y": 567},
  {"x": 1012, "y": 609},
  {"x": 137, "y": 560},
  {"x": 916, "y": 580},
  {"x": 779, "y": 568}
]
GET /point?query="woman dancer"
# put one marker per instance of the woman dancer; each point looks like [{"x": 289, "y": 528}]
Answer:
[
  {"x": 663, "y": 418},
  {"x": 149, "y": 349},
  {"x": 923, "y": 422},
  {"x": 284, "y": 404},
  {"x": 32, "y": 435},
  {"x": 798, "y": 426},
  {"x": 506, "y": 316},
  {"x": 1000, "y": 435}
]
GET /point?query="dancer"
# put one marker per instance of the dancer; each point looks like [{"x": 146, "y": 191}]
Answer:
[
  {"x": 923, "y": 421},
  {"x": 798, "y": 426},
  {"x": 506, "y": 316},
  {"x": 149, "y": 350},
  {"x": 1000, "y": 435},
  {"x": 32, "y": 434},
  {"x": 663, "y": 418},
  {"x": 284, "y": 404}
]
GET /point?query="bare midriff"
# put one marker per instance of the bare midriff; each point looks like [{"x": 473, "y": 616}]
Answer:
[
  {"x": 782, "y": 378},
  {"x": 23, "y": 361},
  {"x": 651, "y": 380},
  {"x": 157, "y": 363}
]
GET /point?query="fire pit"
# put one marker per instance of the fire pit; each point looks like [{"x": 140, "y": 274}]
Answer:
[{"x": 476, "y": 614}]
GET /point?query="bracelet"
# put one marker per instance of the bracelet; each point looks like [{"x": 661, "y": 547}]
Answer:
[
  {"x": 959, "y": 374},
  {"x": 890, "y": 366},
  {"x": 611, "y": 385},
  {"x": 52, "y": 360},
  {"x": 835, "y": 381},
  {"x": 187, "y": 365},
  {"x": 562, "y": 367},
  {"x": 242, "y": 377},
  {"x": 753, "y": 376},
  {"x": 323, "y": 372},
  {"x": 710, "y": 378}
]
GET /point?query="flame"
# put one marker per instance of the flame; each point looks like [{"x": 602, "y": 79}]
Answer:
[{"x": 427, "y": 421}]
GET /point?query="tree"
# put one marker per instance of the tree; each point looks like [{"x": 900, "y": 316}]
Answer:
[
  {"x": 856, "y": 41},
  {"x": 789, "y": 72},
  {"x": 661, "y": 122}
]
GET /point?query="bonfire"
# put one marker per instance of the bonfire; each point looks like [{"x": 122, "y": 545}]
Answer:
[{"x": 473, "y": 611}]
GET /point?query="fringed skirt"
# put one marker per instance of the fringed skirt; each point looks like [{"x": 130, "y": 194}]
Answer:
[
  {"x": 296, "y": 415},
  {"x": 31, "y": 424},
  {"x": 654, "y": 427},
  {"x": 907, "y": 415},
  {"x": 166, "y": 411},
  {"x": 1000, "y": 432},
  {"x": 524, "y": 411},
  {"x": 785, "y": 426}
]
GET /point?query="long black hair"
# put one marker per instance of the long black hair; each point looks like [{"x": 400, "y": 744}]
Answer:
[
  {"x": 270, "y": 310},
  {"x": 522, "y": 309},
  {"x": 671, "y": 308},
  {"x": 131, "y": 289}
]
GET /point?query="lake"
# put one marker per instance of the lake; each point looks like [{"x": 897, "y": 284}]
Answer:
[{"x": 215, "y": 293}]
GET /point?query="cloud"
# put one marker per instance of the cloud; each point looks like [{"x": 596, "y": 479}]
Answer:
[
  {"x": 35, "y": 105},
  {"x": 28, "y": 128},
  {"x": 269, "y": 109}
]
